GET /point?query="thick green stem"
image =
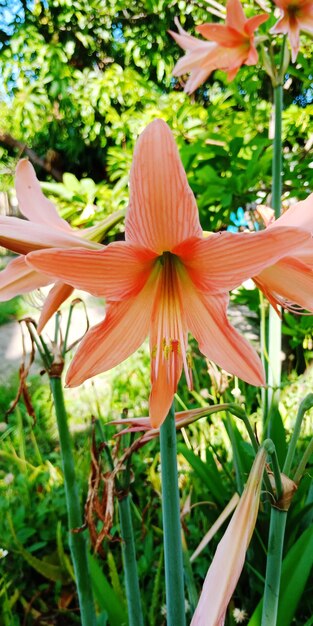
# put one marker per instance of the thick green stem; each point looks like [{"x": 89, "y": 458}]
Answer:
[
  {"x": 277, "y": 164},
  {"x": 173, "y": 556},
  {"x": 274, "y": 333},
  {"x": 273, "y": 567},
  {"x": 135, "y": 617},
  {"x": 76, "y": 539}
]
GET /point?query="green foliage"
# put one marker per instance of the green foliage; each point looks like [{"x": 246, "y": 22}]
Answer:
[{"x": 79, "y": 82}]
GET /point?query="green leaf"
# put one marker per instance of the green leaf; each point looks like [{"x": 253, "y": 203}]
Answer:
[
  {"x": 277, "y": 433},
  {"x": 43, "y": 567},
  {"x": 296, "y": 569},
  {"x": 64, "y": 559},
  {"x": 71, "y": 182},
  {"x": 105, "y": 596},
  {"x": 207, "y": 472}
]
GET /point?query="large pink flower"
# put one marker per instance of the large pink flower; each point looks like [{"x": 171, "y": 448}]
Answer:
[
  {"x": 43, "y": 228},
  {"x": 289, "y": 281},
  {"x": 165, "y": 279},
  {"x": 230, "y": 46},
  {"x": 297, "y": 15}
]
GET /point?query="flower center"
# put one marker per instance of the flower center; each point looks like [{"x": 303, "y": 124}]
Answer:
[{"x": 169, "y": 328}]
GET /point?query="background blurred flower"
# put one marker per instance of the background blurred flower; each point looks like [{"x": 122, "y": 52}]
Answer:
[
  {"x": 239, "y": 221},
  {"x": 297, "y": 15},
  {"x": 230, "y": 46}
]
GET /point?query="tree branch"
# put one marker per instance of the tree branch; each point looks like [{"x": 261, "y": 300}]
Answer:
[{"x": 10, "y": 141}]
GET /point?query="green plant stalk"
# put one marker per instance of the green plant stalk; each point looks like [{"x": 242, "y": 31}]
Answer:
[
  {"x": 242, "y": 415},
  {"x": 305, "y": 405},
  {"x": 273, "y": 567},
  {"x": 236, "y": 456},
  {"x": 135, "y": 616},
  {"x": 271, "y": 450},
  {"x": 264, "y": 353},
  {"x": 173, "y": 555},
  {"x": 302, "y": 465},
  {"x": 274, "y": 327},
  {"x": 76, "y": 539},
  {"x": 190, "y": 581}
]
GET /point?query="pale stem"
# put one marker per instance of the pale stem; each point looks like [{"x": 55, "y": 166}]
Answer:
[{"x": 274, "y": 331}]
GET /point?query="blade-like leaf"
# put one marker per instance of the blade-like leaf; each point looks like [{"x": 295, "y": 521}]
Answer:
[
  {"x": 296, "y": 569},
  {"x": 205, "y": 471},
  {"x": 105, "y": 596}
]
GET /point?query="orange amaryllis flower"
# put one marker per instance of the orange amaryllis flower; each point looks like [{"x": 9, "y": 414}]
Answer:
[
  {"x": 230, "y": 46},
  {"x": 165, "y": 279},
  {"x": 289, "y": 281},
  {"x": 229, "y": 558},
  {"x": 43, "y": 228},
  {"x": 297, "y": 15}
]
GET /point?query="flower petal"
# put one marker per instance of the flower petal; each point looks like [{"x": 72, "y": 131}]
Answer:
[
  {"x": 168, "y": 339},
  {"x": 288, "y": 280},
  {"x": 56, "y": 296},
  {"x": 163, "y": 388},
  {"x": 224, "y": 35},
  {"x": 116, "y": 272},
  {"x": 226, "y": 567},
  {"x": 299, "y": 215},
  {"x": 162, "y": 209},
  {"x": 22, "y": 236},
  {"x": 195, "y": 60},
  {"x": 227, "y": 59},
  {"x": 122, "y": 332},
  {"x": 224, "y": 260},
  {"x": 254, "y": 22},
  {"x": 235, "y": 17},
  {"x": 267, "y": 214},
  {"x": 32, "y": 202},
  {"x": 218, "y": 340},
  {"x": 197, "y": 78},
  {"x": 18, "y": 278},
  {"x": 188, "y": 42}
]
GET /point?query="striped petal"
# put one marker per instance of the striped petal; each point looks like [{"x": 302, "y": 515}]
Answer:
[
  {"x": 168, "y": 341},
  {"x": 162, "y": 209},
  {"x": 163, "y": 388},
  {"x": 235, "y": 17},
  {"x": 299, "y": 215},
  {"x": 18, "y": 278},
  {"x": 116, "y": 272},
  {"x": 288, "y": 282},
  {"x": 197, "y": 78},
  {"x": 254, "y": 22},
  {"x": 224, "y": 260},
  {"x": 32, "y": 202},
  {"x": 224, "y": 35},
  {"x": 195, "y": 60},
  {"x": 186, "y": 41},
  {"x": 57, "y": 295},
  {"x": 122, "y": 332},
  {"x": 218, "y": 340},
  {"x": 22, "y": 236}
]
